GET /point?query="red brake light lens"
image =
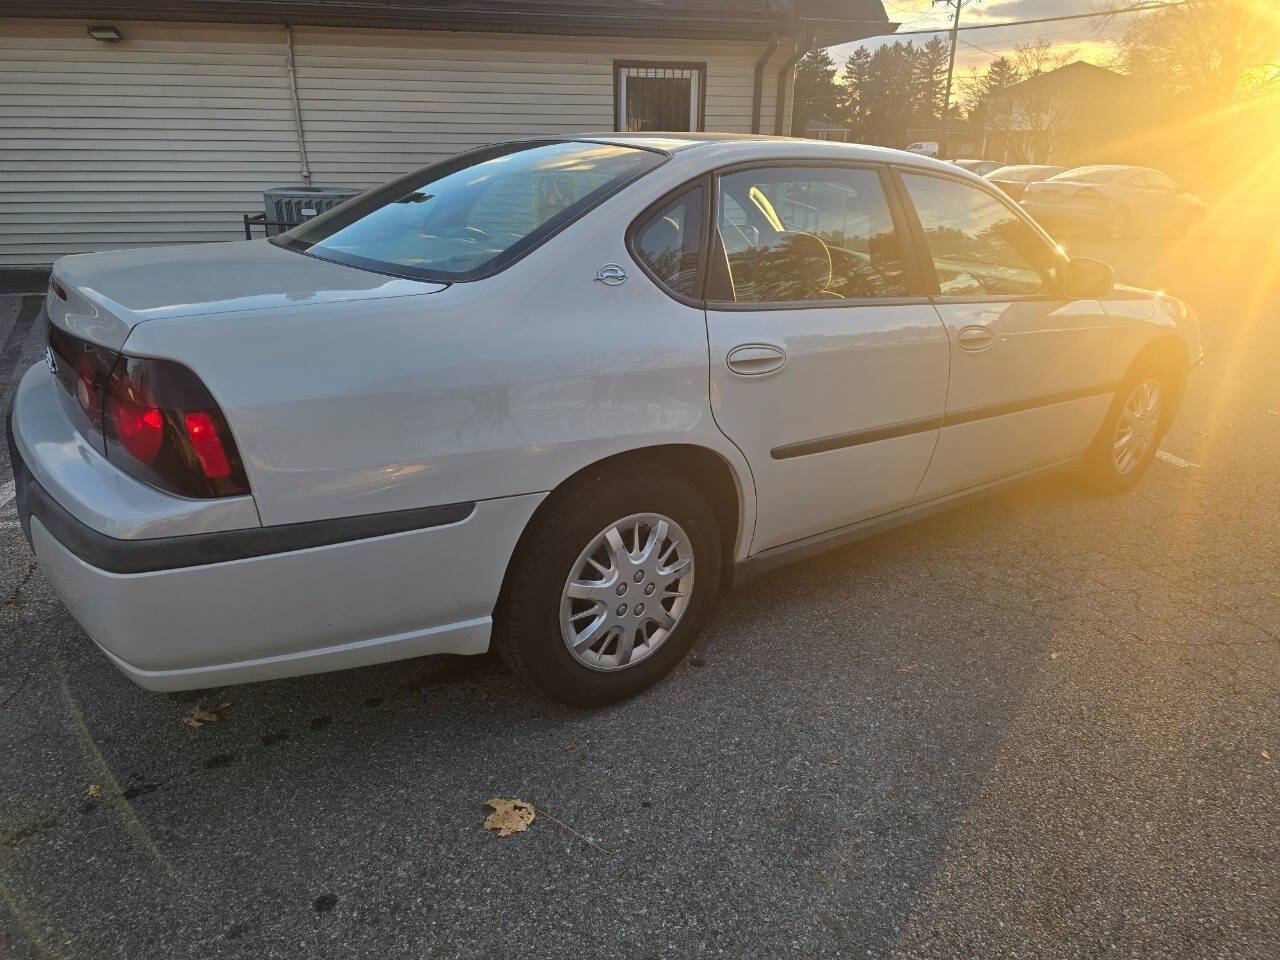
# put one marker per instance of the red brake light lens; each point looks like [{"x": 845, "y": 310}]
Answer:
[
  {"x": 137, "y": 421},
  {"x": 203, "y": 432},
  {"x": 163, "y": 426}
]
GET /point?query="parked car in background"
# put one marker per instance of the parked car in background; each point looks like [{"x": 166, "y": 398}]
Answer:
[
  {"x": 554, "y": 394},
  {"x": 1113, "y": 200},
  {"x": 1013, "y": 179},
  {"x": 925, "y": 148},
  {"x": 979, "y": 167}
]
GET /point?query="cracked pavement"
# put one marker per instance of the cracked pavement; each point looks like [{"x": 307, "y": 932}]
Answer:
[{"x": 1046, "y": 725}]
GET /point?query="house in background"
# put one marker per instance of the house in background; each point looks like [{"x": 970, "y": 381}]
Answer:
[
  {"x": 818, "y": 129},
  {"x": 1060, "y": 117},
  {"x": 136, "y": 122}
]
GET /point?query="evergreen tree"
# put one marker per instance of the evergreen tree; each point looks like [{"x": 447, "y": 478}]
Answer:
[{"x": 816, "y": 93}]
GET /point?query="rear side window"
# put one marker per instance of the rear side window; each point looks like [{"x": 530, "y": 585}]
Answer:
[
  {"x": 473, "y": 214},
  {"x": 670, "y": 241},
  {"x": 808, "y": 234},
  {"x": 979, "y": 246}
]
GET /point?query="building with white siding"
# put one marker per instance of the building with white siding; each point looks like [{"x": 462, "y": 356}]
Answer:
[{"x": 162, "y": 121}]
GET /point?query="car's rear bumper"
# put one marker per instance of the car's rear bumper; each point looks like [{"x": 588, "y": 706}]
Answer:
[{"x": 207, "y": 609}]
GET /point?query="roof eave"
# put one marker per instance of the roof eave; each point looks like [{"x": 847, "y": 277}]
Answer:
[{"x": 550, "y": 18}]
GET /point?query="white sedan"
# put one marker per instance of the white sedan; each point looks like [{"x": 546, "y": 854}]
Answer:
[{"x": 553, "y": 395}]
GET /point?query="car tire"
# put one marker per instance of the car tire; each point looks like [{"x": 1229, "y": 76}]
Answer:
[
  {"x": 1137, "y": 420},
  {"x": 538, "y": 623},
  {"x": 1117, "y": 224}
]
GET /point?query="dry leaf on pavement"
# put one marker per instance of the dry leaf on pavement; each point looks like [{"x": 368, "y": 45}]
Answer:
[
  {"x": 199, "y": 715},
  {"x": 1055, "y": 655},
  {"x": 509, "y": 816},
  {"x": 93, "y": 790},
  {"x": 1265, "y": 755}
]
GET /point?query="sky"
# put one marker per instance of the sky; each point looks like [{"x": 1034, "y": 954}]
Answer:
[{"x": 1092, "y": 40}]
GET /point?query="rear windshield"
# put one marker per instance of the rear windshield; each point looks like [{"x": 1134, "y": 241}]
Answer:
[
  {"x": 1095, "y": 174},
  {"x": 471, "y": 215},
  {"x": 1021, "y": 173}
]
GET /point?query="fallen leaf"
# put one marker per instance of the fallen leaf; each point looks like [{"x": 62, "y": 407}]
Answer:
[
  {"x": 1265, "y": 755},
  {"x": 1055, "y": 655},
  {"x": 93, "y": 790},
  {"x": 832, "y": 762},
  {"x": 199, "y": 715},
  {"x": 907, "y": 668},
  {"x": 509, "y": 816}
]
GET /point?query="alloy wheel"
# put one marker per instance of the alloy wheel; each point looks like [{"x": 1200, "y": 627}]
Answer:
[
  {"x": 1137, "y": 426},
  {"x": 627, "y": 591}
]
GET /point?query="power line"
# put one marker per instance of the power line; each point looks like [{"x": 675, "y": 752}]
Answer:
[{"x": 1139, "y": 8}]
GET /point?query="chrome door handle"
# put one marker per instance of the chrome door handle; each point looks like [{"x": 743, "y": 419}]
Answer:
[
  {"x": 975, "y": 338},
  {"x": 755, "y": 359}
]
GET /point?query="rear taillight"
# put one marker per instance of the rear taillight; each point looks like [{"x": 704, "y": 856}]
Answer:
[
  {"x": 153, "y": 419},
  {"x": 163, "y": 427}
]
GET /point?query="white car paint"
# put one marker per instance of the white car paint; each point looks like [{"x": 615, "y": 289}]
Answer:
[{"x": 351, "y": 393}]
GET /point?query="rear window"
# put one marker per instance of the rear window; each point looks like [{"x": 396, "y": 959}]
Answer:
[
  {"x": 1021, "y": 174},
  {"x": 1095, "y": 174},
  {"x": 473, "y": 214}
]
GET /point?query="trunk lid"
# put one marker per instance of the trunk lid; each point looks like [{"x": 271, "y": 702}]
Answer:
[{"x": 108, "y": 294}]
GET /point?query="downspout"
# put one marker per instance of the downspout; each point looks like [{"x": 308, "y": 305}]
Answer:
[
  {"x": 757, "y": 90},
  {"x": 781, "y": 102},
  {"x": 297, "y": 108}
]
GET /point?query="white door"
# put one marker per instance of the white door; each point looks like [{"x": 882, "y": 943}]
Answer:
[
  {"x": 828, "y": 368},
  {"x": 1028, "y": 366}
]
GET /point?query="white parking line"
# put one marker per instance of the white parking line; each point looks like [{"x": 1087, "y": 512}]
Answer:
[
  {"x": 6, "y": 493},
  {"x": 1176, "y": 461}
]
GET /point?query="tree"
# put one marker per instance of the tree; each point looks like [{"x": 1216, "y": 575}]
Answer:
[
  {"x": 929, "y": 79},
  {"x": 986, "y": 106},
  {"x": 1209, "y": 51},
  {"x": 816, "y": 93},
  {"x": 1046, "y": 112}
]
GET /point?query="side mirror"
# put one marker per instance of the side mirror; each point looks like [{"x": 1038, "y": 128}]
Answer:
[{"x": 1087, "y": 279}]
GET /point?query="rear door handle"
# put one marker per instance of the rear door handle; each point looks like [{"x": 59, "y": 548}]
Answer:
[
  {"x": 975, "y": 338},
  {"x": 755, "y": 359}
]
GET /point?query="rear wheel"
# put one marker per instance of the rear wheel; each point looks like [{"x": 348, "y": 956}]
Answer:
[
  {"x": 1131, "y": 434},
  {"x": 610, "y": 585},
  {"x": 1117, "y": 224}
]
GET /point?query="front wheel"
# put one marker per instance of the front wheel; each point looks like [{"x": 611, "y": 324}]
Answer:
[
  {"x": 1131, "y": 434},
  {"x": 610, "y": 585}
]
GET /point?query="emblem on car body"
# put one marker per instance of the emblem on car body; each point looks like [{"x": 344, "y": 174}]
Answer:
[
  {"x": 611, "y": 274},
  {"x": 49, "y": 359}
]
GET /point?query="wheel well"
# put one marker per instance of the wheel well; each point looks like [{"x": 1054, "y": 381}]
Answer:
[
  {"x": 1169, "y": 353},
  {"x": 701, "y": 466}
]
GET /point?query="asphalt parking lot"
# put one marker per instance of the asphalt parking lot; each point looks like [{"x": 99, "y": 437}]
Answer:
[{"x": 1044, "y": 726}]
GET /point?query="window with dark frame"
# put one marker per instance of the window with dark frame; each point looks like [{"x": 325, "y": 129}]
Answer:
[{"x": 659, "y": 96}]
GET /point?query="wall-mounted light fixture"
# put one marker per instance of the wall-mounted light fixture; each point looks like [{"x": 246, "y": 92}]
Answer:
[{"x": 105, "y": 33}]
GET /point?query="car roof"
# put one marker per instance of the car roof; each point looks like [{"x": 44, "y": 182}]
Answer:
[{"x": 735, "y": 147}]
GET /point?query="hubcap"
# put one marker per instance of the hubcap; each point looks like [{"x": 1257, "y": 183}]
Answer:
[
  {"x": 1137, "y": 427},
  {"x": 627, "y": 591}
]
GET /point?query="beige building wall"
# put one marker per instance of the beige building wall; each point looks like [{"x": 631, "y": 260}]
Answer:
[{"x": 171, "y": 134}]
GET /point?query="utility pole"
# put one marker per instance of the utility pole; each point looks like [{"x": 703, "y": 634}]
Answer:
[{"x": 943, "y": 149}]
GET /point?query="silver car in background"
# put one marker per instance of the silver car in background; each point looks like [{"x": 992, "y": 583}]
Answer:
[
  {"x": 1113, "y": 200},
  {"x": 1015, "y": 178}
]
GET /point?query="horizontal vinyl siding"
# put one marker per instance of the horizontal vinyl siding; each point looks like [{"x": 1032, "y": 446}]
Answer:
[
  {"x": 167, "y": 136},
  {"x": 376, "y": 103},
  {"x": 171, "y": 134}
]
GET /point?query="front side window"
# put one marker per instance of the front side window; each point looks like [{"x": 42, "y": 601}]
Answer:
[
  {"x": 796, "y": 234},
  {"x": 659, "y": 96},
  {"x": 979, "y": 246},
  {"x": 670, "y": 242},
  {"x": 473, "y": 214}
]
